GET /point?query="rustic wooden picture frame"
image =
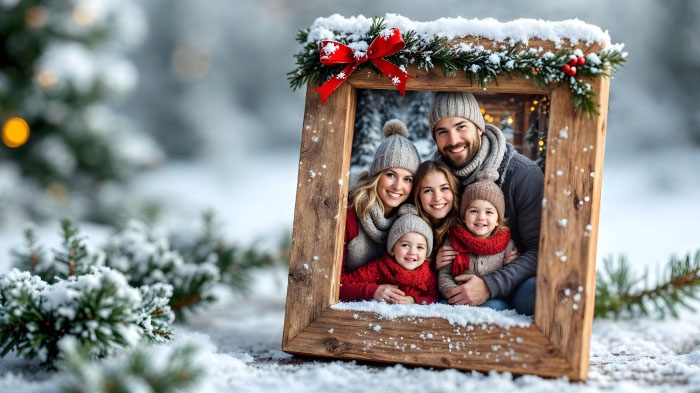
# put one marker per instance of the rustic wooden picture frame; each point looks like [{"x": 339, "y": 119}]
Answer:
[{"x": 556, "y": 344}]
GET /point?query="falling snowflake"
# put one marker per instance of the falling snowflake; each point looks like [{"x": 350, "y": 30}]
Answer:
[{"x": 396, "y": 80}]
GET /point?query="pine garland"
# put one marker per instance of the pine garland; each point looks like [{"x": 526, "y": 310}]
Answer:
[
  {"x": 480, "y": 65},
  {"x": 618, "y": 293},
  {"x": 177, "y": 369}
]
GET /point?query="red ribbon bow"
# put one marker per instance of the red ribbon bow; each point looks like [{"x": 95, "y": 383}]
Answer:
[{"x": 386, "y": 44}]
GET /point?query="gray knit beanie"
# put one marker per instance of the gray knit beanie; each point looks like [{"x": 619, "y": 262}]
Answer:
[
  {"x": 484, "y": 188},
  {"x": 396, "y": 151},
  {"x": 409, "y": 221},
  {"x": 447, "y": 104}
]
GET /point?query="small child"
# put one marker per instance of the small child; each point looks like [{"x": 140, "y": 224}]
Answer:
[
  {"x": 484, "y": 239},
  {"x": 403, "y": 264}
]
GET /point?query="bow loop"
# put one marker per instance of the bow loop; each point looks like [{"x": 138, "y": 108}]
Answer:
[{"x": 388, "y": 42}]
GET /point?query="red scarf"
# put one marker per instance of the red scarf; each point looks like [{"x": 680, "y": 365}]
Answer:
[
  {"x": 464, "y": 243},
  {"x": 412, "y": 282}
]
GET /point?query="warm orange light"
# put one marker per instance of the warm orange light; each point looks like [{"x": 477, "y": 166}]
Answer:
[
  {"x": 534, "y": 102},
  {"x": 83, "y": 15},
  {"x": 36, "y": 17},
  {"x": 483, "y": 111},
  {"x": 15, "y": 132},
  {"x": 541, "y": 143},
  {"x": 46, "y": 78},
  {"x": 532, "y": 109},
  {"x": 510, "y": 120}
]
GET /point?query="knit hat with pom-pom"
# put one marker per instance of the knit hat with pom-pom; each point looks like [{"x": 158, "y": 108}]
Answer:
[
  {"x": 409, "y": 221},
  {"x": 395, "y": 151},
  {"x": 484, "y": 188}
]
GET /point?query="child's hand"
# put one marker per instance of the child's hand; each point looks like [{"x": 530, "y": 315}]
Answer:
[
  {"x": 445, "y": 256},
  {"x": 388, "y": 293},
  {"x": 405, "y": 300},
  {"x": 510, "y": 256}
]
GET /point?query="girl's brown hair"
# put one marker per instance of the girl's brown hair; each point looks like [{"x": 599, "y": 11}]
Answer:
[{"x": 440, "y": 226}]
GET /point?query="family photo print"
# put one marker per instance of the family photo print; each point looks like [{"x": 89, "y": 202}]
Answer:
[{"x": 521, "y": 74}]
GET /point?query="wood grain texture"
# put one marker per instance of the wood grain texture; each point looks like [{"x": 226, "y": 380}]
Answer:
[
  {"x": 319, "y": 213},
  {"x": 566, "y": 264},
  {"x": 430, "y": 342},
  {"x": 557, "y": 344},
  {"x": 433, "y": 80}
]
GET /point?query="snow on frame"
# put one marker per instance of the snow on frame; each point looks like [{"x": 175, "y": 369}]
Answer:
[
  {"x": 455, "y": 315},
  {"x": 523, "y": 30}
]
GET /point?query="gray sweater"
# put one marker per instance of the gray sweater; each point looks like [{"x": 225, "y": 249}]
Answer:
[{"x": 480, "y": 265}]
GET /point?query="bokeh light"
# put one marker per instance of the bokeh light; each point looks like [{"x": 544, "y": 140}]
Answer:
[
  {"x": 15, "y": 132},
  {"x": 36, "y": 17}
]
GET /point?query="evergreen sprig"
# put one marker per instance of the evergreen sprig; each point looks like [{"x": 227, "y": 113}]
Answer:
[
  {"x": 99, "y": 309},
  {"x": 482, "y": 66},
  {"x": 618, "y": 293},
  {"x": 233, "y": 261},
  {"x": 175, "y": 369},
  {"x": 147, "y": 258}
]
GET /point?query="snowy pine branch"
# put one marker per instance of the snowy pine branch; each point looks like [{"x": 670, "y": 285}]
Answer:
[
  {"x": 99, "y": 309},
  {"x": 147, "y": 258},
  {"x": 157, "y": 369},
  {"x": 234, "y": 262},
  {"x": 618, "y": 293}
]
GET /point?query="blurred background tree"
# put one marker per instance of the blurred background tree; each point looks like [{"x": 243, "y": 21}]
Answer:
[{"x": 63, "y": 64}]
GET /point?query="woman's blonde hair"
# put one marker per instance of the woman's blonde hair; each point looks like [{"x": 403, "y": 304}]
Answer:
[
  {"x": 440, "y": 226},
  {"x": 364, "y": 194}
]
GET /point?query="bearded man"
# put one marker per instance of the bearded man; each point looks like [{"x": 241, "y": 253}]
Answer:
[{"x": 468, "y": 146}]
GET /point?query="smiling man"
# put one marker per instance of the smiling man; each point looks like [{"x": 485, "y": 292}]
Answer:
[{"x": 468, "y": 146}]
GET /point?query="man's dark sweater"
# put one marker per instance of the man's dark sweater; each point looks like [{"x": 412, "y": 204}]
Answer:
[{"x": 522, "y": 183}]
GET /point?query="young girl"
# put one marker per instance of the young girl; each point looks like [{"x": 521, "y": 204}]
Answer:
[
  {"x": 483, "y": 239},
  {"x": 435, "y": 197},
  {"x": 372, "y": 207},
  {"x": 403, "y": 264}
]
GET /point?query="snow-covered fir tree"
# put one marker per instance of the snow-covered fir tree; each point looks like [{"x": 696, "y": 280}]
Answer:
[
  {"x": 368, "y": 128},
  {"x": 417, "y": 114},
  {"x": 63, "y": 64}
]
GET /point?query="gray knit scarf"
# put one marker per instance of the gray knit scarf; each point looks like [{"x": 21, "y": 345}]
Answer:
[
  {"x": 372, "y": 231},
  {"x": 490, "y": 155}
]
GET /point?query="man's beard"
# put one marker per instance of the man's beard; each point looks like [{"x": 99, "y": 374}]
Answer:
[{"x": 472, "y": 151}]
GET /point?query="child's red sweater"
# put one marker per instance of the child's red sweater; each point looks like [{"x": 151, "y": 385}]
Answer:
[{"x": 420, "y": 283}]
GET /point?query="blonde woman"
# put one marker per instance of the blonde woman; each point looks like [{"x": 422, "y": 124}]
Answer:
[{"x": 372, "y": 206}]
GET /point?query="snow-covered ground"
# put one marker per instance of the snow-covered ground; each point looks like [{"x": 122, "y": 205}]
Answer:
[{"x": 648, "y": 212}]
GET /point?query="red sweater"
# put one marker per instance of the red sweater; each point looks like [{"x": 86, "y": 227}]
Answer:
[
  {"x": 350, "y": 291},
  {"x": 420, "y": 283}
]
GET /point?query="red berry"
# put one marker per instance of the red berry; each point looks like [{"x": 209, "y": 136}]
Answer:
[
  {"x": 573, "y": 61},
  {"x": 581, "y": 61},
  {"x": 566, "y": 69},
  {"x": 573, "y": 71}
]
